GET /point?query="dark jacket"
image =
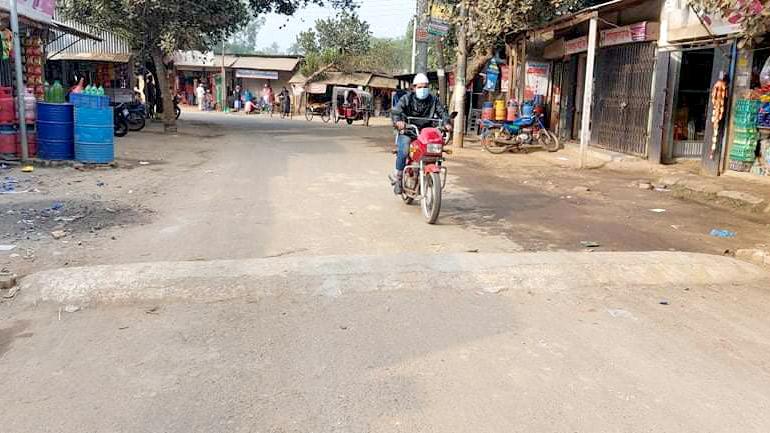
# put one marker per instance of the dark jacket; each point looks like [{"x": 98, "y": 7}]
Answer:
[{"x": 410, "y": 106}]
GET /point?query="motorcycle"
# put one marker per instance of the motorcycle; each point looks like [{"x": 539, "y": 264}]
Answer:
[
  {"x": 425, "y": 176},
  {"x": 120, "y": 123},
  {"x": 177, "y": 110},
  {"x": 135, "y": 116},
  {"x": 522, "y": 133}
]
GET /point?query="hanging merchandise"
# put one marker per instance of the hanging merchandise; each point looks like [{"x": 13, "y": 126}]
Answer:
[
  {"x": 7, "y": 39},
  {"x": 493, "y": 74},
  {"x": 743, "y": 150},
  {"x": 764, "y": 74},
  {"x": 718, "y": 95}
]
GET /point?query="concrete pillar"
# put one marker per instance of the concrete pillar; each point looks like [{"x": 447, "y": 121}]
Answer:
[{"x": 588, "y": 90}]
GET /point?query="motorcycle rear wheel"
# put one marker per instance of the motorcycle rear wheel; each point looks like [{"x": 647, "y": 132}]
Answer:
[
  {"x": 431, "y": 198},
  {"x": 177, "y": 111},
  {"x": 489, "y": 144},
  {"x": 549, "y": 141},
  {"x": 121, "y": 127}
]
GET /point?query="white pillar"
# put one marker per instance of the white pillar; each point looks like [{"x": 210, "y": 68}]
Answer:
[
  {"x": 20, "y": 88},
  {"x": 588, "y": 90}
]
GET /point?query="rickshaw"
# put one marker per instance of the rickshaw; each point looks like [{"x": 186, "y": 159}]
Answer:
[
  {"x": 351, "y": 104},
  {"x": 317, "y": 104}
]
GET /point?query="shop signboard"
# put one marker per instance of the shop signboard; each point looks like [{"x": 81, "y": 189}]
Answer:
[
  {"x": 439, "y": 20},
  {"x": 254, "y": 73},
  {"x": 317, "y": 88},
  {"x": 36, "y": 10},
  {"x": 537, "y": 79},
  {"x": 574, "y": 46},
  {"x": 624, "y": 35}
]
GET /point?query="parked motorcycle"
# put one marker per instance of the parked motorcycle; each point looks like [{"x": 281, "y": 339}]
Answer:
[
  {"x": 425, "y": 175},
  {"x": 120, "y": 113},
  {"x": 136, "y": 116},
  {"x": 522, "y": 133},
  {"x": 177, "y": 110}
]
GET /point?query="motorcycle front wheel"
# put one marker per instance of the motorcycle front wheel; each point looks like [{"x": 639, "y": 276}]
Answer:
[
  {"x": 548, "y": 140},
  {"x": 431, "y": 198},
  {"x": 177, "y": 111},
  {"x": 121, "y": 127}
]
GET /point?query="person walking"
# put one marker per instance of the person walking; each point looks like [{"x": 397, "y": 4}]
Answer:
[
  {"x": 200, "y": 93},
  {"x": 150, "y": 95}
]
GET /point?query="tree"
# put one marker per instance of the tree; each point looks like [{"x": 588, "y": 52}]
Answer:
[
  {"x": 346, "y": 33},
  {"x": 752, "y": 15},
  {"x": 273, "y": 49},
  {"x": 389, "y": 55},
  {"x": 156, "y": 28},
  {"x": 244, "y": 41},
  {"x": 307, "y": 42}
]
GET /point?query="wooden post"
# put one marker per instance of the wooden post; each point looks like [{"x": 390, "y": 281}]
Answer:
[{"x": 588, "y": 90}]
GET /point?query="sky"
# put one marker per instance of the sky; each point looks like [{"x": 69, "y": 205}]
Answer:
[{"x": 386, "y": 18}]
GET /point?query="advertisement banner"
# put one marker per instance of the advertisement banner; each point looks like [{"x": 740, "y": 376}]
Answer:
[
  {"x": 505, "y": 74},
  {"x": 624, "y": 35},
  {"x": 36, "y": 10},
  {"x": 574, "y": 46},
  {"x": 537, "y": 79},
  {"x": 252, "y": 73}
]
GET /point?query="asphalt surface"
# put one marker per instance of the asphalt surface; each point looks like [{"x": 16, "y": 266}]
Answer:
[{"x": 275, "y": 297}]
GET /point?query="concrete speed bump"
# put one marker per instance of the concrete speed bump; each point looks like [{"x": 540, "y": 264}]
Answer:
[{"x": 336, "y": 276}]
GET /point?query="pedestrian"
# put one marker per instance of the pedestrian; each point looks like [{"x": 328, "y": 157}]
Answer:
[
  {"x": 285, "y": 99},
  {"x": 200, "y": 93},
  {"x": 237, "y": 98},
  {"x": 150, "y": 95}
]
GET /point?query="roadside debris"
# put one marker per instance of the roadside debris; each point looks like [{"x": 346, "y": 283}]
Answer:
[
  {"x": 663, "y": 302},
  {"x": 144, "y": 163},
  {"x": 58, "y": 234},
  {"x": 581, "y": 188},
  {"x": 721, "y": 233},
  {"x": 475, "y": 250},
  {"x": 28, "y": 169},
  {"x": 590, "y": 244},
  {"x": 4, "y": 248},
  {"x": 7, "y": 280},
  {"x": 71, "y": 308},
  {"x": 658, "y": 210}
]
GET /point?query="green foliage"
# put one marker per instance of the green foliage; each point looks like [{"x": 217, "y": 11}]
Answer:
[
  {"x": 752, "y": 15},
  {"x": 345, "y": 33},
  {"x": 315, "y": 61},
  {"x": 389, "y": 55},
  {"x": 273, "y": 49},
  {"x": 244, "y": 41}
]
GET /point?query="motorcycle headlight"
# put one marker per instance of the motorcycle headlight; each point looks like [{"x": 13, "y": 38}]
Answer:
[{"x": 435, "y": 147}]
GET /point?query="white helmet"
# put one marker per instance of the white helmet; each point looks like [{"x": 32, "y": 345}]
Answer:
[{"x": 420, "y": 79}]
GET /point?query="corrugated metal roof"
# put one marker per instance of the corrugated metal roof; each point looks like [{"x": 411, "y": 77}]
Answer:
[
  {"x": 285, "y": 64},
  {"x": 68, "y": 43},
  {"x": 93, "y": 57},
  {"x": 297, "y": 78}
]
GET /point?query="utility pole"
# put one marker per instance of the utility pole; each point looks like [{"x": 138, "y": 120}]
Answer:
[
  {"x": 414, "y": 43},
  {"x": 588, "y": 90},
  {"x": 19, "y": 81},
  {"x": 459, "y": 92},
  {"x": 224, "y": 75},
  {"x": 422, "y": 45}
]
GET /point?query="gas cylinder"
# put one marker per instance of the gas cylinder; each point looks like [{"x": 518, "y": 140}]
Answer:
[{"x": 7, "y": 110}]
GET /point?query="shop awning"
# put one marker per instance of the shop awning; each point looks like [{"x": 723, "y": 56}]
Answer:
[
  {"x": 266, "y": 63},
  {"x": 346, "y": 79},
  {"x": 93, "y": 57},
  {"x": 382, "y": 82}
]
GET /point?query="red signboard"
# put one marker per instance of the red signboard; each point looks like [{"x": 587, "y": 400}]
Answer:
[
  {"x": 574, "y": 46},
  {"x": 624, "y": 35}
]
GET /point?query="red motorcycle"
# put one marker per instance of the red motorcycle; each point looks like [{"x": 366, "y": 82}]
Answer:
[{"x": 425, "y": 175}]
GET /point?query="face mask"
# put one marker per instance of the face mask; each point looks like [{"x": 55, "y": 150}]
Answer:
[{"x": 422, "y": 93}]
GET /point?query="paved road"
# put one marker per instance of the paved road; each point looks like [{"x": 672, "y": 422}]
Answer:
[{"x": 293, "y": 343}]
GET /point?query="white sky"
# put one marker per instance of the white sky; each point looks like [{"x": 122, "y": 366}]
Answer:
[{"x": 386, "y": 18}]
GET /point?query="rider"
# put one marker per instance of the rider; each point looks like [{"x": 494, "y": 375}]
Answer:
[{"x": 419, "y": 103}]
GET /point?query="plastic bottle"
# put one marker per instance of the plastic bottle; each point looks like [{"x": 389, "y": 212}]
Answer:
[
  {"x": 57, "y": 92},
  {"x": 100, "y": 91},
  {"x": 47, "y": 93}
]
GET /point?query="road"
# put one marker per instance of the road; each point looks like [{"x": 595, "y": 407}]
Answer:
[{"x": 259, "y": 276}]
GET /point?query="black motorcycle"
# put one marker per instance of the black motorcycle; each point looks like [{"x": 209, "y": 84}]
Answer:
[{"x": 120, "y": 118}]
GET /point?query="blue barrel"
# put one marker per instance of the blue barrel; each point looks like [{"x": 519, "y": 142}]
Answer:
[
  {"x": 94, "y": 135},
  {"x": 55, "y": 139}
]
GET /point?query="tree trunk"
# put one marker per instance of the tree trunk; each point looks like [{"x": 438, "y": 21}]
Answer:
[
  {"x": 459, "y": 92},
  {"x": 167, "y": 94},
  {"x": 442, "y": 87}
]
